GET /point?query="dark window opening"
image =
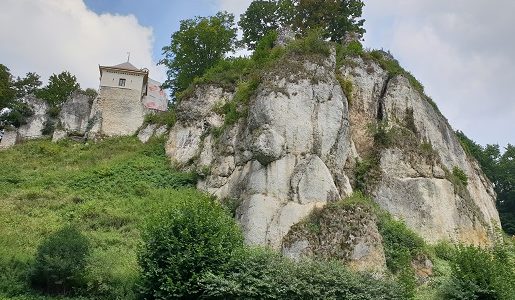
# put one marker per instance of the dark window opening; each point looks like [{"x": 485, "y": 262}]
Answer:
[{"x": 121, "y": 82}]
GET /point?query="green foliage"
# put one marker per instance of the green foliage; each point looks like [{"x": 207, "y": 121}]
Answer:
[
  {"x": 336, "y": 17},
  {"x": 108, "y": 189},
  {"x": 227, "y": 72},
  {"x": 59, "y": 88},
  {"x": 14, "y": 276},
  {"x": 11, "y": 89},
  {"x": 444, "y": 250},
  {"x": 61, "y": 262},
  {"x": 263, "y": 274},
  {"x": 192, "y": 237},
  {"x": 500, "y": 169},
  {"x": 367, "y": 173},
  {"x": 162, "y": 118},
  {"x": 482, "y": 274},
  {"x": 18, "y": 115},
  {"x": 91, "y": 93},
  {"x": 346, "y": 86},
  {"x": 265, "y": 51},
  {"x": 401, "y": 244},
  {"x": 460, "y": 176},
  {"x": 343, "y": 53},
  {"x": 312, "y": 43},
  {"x": 7, "y": 93},
  {"x": 28, "y": 85},
  {"x": 48, "y": 127},
  {"x": 198, "y": 45},
  {"x": 260, "y": 18}
]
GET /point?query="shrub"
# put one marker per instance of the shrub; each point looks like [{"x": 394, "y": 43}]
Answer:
[
  {"x": 400, "y": 243},
  {"x": 346, "y": 86},
  {"x": 91, "y": 93},
  {"x": 444, "y": 250},
  {"x": 482, "y": 274},
  {"x": 48, "y": 127},
  {"x": 13, "y": 276},
  {"x": 161, "y": 118},
  {"x": 61, "y": 262},
  {"x": 263, "y": 274},
  {"x": 313, "y": 43},
  {"x": 459, "y": 175},
  {"x": 192, "y": 237}
]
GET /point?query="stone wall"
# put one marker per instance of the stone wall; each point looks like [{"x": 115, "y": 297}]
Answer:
[{"x": 117, "y": 112}]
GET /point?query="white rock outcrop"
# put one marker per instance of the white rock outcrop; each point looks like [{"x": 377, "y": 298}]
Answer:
[
  {"x": 35, "y": 123},
  {"x": 279, "y": 161},
  {"x": 412, "y": 187},
  {"x": 9, "y": 138},
  {"x": 74, "y": 115},
  {"x": 297, "y": 147}
]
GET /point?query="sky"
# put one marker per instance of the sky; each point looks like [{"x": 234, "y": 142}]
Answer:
[{"x": 462, "y": 51}]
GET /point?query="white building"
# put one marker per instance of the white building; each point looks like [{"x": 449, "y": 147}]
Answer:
[{"x": 126, "y": 95}]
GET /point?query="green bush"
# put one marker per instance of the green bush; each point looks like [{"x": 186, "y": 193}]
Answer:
[
  {"x": 194, "y": 236},
  {"x": 459, "y": 175},
  {"x": 482, "y": 274},
  {"x": 263, "y": 274},
  {"x": 162, "y": 118},
  {"x": 346, "y": 86},
  {"x": 61, "y": 262},
  {"x": 14, "y": 275},
  {"x": 401, "y": 244},
  {"x": 313, "y": 43}
]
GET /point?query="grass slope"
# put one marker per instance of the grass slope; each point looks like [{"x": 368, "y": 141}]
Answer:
[{"x": 107, "y": 189}]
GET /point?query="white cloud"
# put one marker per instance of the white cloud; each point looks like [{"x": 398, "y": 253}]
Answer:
[
  {"x": 237, "y": 7},
  {"x": 462, "y": 51},
  {"x": 50, "y": 36}
]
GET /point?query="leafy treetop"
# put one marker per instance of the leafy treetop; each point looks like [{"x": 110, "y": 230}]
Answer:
[
  {"x": 198, "y": 45},
  {"x": 336, "y": 17},
  {"x": 59, "y": 88}
]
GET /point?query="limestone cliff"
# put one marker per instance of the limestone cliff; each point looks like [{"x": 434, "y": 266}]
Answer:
[{"x": 303, "y": 143}]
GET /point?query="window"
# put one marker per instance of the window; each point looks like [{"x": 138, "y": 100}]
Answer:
[{"x": 121, "y": 82}]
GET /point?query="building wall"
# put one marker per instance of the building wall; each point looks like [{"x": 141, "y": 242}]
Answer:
[
  {"x": 111, "y": 79},
  {"x": 120, "y": 110}
]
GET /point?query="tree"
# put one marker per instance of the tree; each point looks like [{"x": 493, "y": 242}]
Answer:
[
  {"x": 59, "y": 88},
  {"x": 259, "y": 19},
  {"x": 194, "y": 236},
  {"x": 500, "y": 169},
  {"x": 336, "y": 17},
  {"x": 198, "y": 45},
  {"x": 7, "y": 93},
  {"x": 27, "y": 85},
  {"x": 61, "y": 262}
]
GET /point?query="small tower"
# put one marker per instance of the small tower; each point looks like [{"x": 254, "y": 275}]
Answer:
[
  {"x": 125, "y": 96},
  {"x": 118, "y": 109},
  {"x": 124, "y": 76}
]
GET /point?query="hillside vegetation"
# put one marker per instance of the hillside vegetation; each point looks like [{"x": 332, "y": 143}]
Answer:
[{"x": 107, "y": 190}]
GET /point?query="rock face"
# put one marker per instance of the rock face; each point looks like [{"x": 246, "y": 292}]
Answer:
[
  {"x": 36, "y": 123},
  {"x": 299, "y": 144},
  {"x": 9, "y": 138},
  {"x": 279, "y": 160},
  {"x": 416, "y": 182},
  {"x": 348, "y": 234},
  {"x": 74, "y": 115}
]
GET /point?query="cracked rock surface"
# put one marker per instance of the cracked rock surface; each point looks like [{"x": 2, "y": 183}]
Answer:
[{"x": 297, "y": 147}]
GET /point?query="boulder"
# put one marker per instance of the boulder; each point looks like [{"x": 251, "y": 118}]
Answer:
[
  {"x": 9, "y": 138},
  {"x": 35, "y": 123}
]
